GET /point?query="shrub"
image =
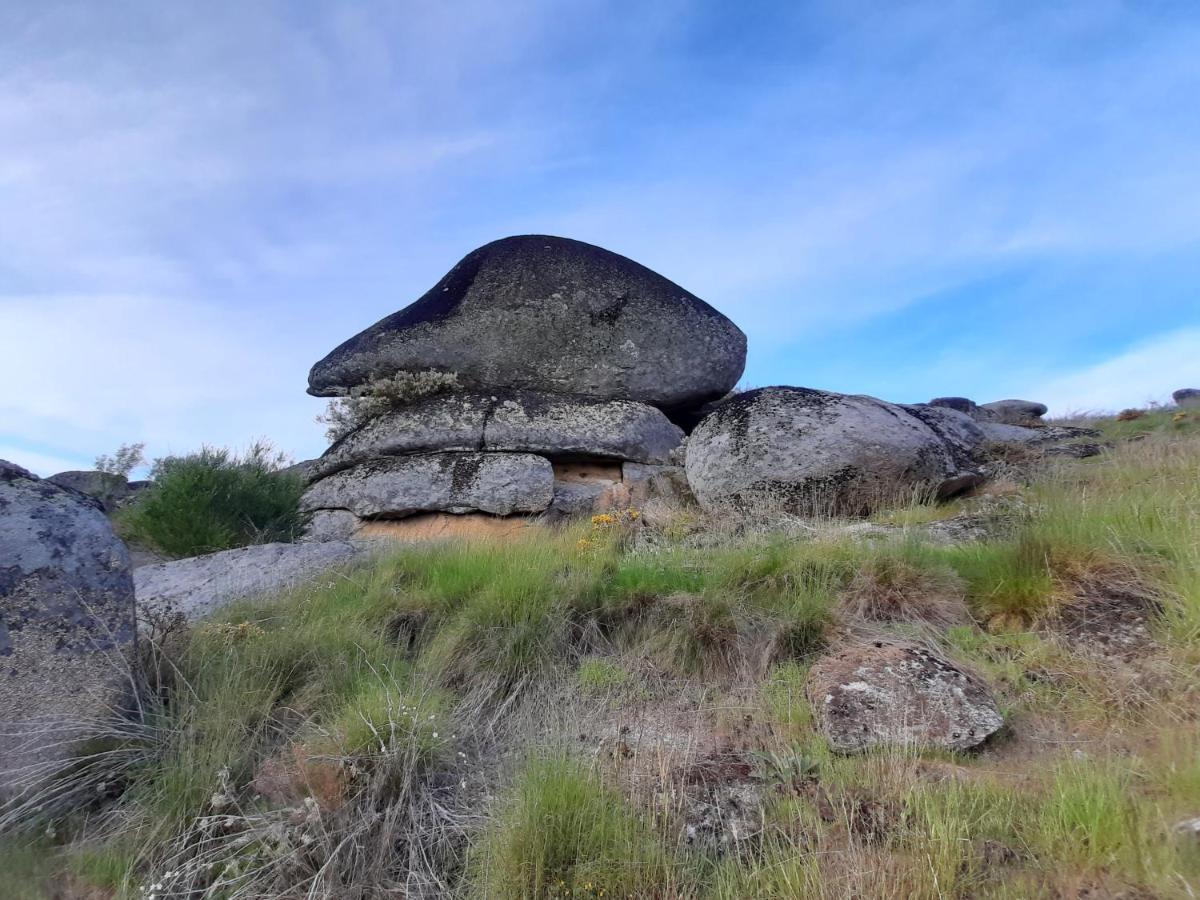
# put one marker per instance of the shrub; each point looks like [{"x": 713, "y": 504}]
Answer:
[
  {"x": 215, "y": 500},
  {"x": 380, "y": 396},
  {"x": 126, "y": 458}
]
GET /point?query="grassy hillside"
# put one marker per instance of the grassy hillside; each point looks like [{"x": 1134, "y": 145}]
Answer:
[{"x": 620, "y": 710}]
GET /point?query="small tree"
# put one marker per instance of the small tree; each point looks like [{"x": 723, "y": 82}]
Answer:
[{"x": 126, "y": 458}]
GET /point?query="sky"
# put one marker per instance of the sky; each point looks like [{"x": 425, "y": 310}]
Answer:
[{"x": 198, "y": 200}]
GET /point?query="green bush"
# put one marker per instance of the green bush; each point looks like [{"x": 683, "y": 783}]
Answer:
[{"x": 216, "y": 500}]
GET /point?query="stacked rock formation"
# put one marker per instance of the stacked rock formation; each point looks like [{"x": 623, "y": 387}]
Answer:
[{"x": 570, "y": 363}]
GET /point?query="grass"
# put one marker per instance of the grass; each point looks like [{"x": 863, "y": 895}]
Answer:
[
  {"x": 563, "y": 833},
  {"x": 215, "y": 500},
  {"x": 549, "y": 718}
]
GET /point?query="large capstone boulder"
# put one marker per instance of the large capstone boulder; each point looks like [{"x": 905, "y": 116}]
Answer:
[
  {"x": 393, "y": 487},
  {"x": 66, "y": 623},
  {"x": 107, "y": 487},
  {"x": 1015, "y": 412},
  {"x": 533, "y": 422},
  {"x": 810, "y": 451},
  {"x": 550, "y": 314},
  {"x": 880, "y": 693},
  {"x": 190, "y": 589}
]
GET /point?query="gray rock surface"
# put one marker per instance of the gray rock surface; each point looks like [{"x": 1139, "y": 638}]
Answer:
[
  {"x": 1186, "y": 397},
  {"x": 1015, "y": 412},
  {"x": 331, "y": 525},
  {"x": 880, "y": 693},
  {"x": 959, "y": 404},
  {"x": 66, "y": 622},
  {"x": 536, "y": 312},
  {"x": 497, "y": 483},
  {"x": 526, "y": 421},
  {"x": 959, "y": 432},
  {"x": 576, "y": 498},
  {"x": 1034, "y": 437},
  {"x": 813, "y": 451},
  {"x": 108, "y": 488},
  {"x": 564, "y": 426},
  {"x": 191, "y": 589}
]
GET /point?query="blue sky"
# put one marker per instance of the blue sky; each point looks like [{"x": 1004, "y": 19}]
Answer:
[{"x": 906, "y": 199}]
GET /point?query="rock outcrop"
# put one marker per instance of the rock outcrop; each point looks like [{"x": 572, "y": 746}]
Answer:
[
  {"x": 110, "y": 489},
  {"x": 816, "y": 451},
  {"x": 190, "y": 589},
  {"x": 1015, "y": 412},
  {"x": 569, "y": 364},
  {"x": 66, "y": 623},
  {"x": 1186, "y": 397},
  {"x": 399, "y": 486},
  {"x": 880, "y": 693},
  {"x": 544, "y": 313},
  {"x": 547, "y": 424}
]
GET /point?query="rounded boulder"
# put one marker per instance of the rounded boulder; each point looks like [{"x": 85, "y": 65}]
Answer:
[
  {"x": 66, "y": 621},
  {"x": 810, "y": 452},
  {"x": 880, "y": 693},
  {"x": 536, "y": 312}
]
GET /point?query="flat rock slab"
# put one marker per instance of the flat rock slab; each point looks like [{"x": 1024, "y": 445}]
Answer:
[
  {"x": 66, "y": 622},
  {"x": 536, "y": 312},
  {"x": 394, "y": 487},
  {"x": 880, "y": 693},
  {"x": 546, "y": 424},
  {"x": 194, "y": 588}
]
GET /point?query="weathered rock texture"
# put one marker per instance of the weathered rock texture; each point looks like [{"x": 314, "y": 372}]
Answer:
[
  {"x": 66, "y": 621},
  {"x": 878, "y": 693},
  {"x": 1186, "y": 397},
  {"x": 190, "y": 589},
  {"x": 1015, "y": 412},
  {"x": 961, "y": 434},
  {"x": 393, "y": 487},
  {"x": 547, "y": 424},
  {"x": 108, "y": 488},
  {"x": 813, "y": 451},
  {"x": 551, "y": 314}
]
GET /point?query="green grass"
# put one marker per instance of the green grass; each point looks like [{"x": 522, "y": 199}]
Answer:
[
  {"x": 562, "y": 832},
  {"x": 215, "y": 500},
  {"x": 380, "y": 683},
  {"x": 600, "y": 677}
]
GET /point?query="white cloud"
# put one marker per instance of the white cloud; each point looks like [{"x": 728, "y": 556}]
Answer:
[{"x": 1145, "y": 373}]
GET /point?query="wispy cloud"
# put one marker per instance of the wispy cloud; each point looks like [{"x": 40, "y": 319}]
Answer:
[
  {"x": 199, "y": 202},
  {"x": 1145, "y": 373}
]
